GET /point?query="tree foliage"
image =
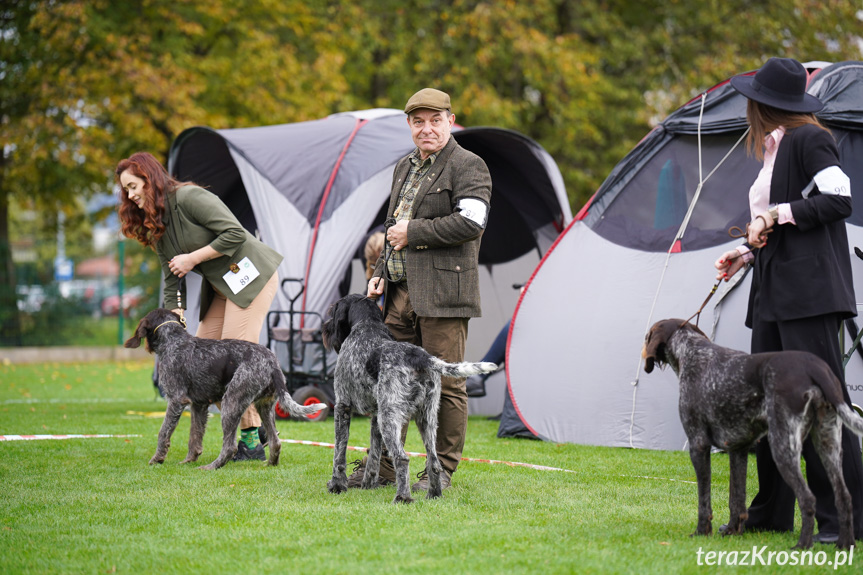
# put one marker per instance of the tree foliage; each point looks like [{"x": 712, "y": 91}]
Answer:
[{"x": 84, "y": 83}]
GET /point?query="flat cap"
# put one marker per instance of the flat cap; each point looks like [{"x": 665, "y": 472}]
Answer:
[{"x": 428, "y": 98}]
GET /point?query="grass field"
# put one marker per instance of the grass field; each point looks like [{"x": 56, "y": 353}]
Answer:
[{"x": 95, "y": 506}]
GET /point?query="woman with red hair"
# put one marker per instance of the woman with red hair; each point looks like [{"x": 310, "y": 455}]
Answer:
[{"x": 191, "y": 229}]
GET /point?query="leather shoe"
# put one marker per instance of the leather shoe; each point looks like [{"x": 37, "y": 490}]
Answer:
[
  {"x": 423, "y": 483},
  {"x": 355, "y": 479},
  {"x": 826, "y": 538}
]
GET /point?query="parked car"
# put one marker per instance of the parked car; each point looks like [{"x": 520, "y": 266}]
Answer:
[
  {"x": 30, "y": 297},
  {"x": 131, "y": 298},
  {"x": 88, "y": 293}
]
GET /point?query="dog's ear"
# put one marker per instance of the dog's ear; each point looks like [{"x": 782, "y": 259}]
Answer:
[
  {"x": 655, "y": 342},
  {"x": 336, "y": 329},
  {"x": 141, "y": 332}
]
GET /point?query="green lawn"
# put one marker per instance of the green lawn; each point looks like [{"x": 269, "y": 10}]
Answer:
[{"x": 95, "y": 506}]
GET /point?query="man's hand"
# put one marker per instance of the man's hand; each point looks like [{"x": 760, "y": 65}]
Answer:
[
  {"x": 397, "y": 235},
  {"x": 376, "y": 287}
]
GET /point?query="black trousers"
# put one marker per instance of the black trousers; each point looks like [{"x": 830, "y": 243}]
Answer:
[{"x": 773, "y": 506}]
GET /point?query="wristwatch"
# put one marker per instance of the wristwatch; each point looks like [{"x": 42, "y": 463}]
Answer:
[{"x": 774, "y": 213}]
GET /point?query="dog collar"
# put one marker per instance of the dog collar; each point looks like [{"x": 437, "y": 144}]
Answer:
[{"x": 169, "y": 321}]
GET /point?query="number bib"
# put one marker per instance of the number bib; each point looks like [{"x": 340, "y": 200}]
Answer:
[{"x": 246, "y": 272}]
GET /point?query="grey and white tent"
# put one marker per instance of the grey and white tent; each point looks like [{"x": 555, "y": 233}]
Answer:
[
  {"x": 643, "y": 250},
  {"x": 314, "y": 190}
]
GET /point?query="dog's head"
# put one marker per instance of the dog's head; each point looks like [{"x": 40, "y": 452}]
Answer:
[
  {"x": 656, "y": 351},
  {"x": 149, "y": 328},
  {"x": 343, "y": 314}
]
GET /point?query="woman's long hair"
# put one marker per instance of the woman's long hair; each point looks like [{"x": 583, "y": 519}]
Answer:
[
  {"x": 145, "y": 225},
  {"x": 372, "y": 251},
  {"x": 763, "y": 119}
]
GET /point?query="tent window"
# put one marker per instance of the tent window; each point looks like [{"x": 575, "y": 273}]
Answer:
[{"x": 648, "y": 211}]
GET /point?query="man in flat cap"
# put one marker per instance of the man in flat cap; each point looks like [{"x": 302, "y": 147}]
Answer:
[{"x": 438, "y": 210}]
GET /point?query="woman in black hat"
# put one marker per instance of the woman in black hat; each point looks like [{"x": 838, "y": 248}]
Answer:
[{"x": 801, "y": 286}]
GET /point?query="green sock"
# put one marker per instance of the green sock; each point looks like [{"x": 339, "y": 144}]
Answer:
[{"x": 250, "y": 437}]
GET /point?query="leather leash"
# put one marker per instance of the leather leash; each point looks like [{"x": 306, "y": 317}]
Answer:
[{"x": 735, "y": 232}]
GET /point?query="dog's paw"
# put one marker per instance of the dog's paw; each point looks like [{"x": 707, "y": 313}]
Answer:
[
  {"x": 369, "y": 484},
  {"x": 403, "y": 499},
  {"x": 337, "y": 486},
  {"x": 434, "y": 494},
  {"x": 845, "y": 541},
  {"x": 156, "y": 460},
  {"x": 209, "y": 467}
]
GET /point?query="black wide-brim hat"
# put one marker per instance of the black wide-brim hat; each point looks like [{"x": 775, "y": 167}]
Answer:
[{"x": 780, "y": 83}]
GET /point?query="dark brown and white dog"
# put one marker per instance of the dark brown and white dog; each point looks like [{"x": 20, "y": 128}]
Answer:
[
  {"x": 197, "y": 372},
  {"x": 731, "y": 399},
  {"x": 394, "y": 382}
]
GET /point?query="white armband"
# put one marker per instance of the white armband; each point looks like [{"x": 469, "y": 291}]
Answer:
[
  {"x": 474, "y": 209},
  {"x": 832, "y": 181}
]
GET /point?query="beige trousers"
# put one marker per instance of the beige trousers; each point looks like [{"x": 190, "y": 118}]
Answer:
[{"x": 226, "y": 320}]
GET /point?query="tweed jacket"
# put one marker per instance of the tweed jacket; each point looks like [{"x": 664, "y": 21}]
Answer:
[
  {"x": 195, "y": 218},
  {"x": 804, "y": 270},
  {"x": 443, "y": 246}
]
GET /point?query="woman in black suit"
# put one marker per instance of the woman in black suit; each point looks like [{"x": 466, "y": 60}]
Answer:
[{"x": 802, "y": 287}]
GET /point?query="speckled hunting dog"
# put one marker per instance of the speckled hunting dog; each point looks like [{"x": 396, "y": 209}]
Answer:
[
  {"x": 197, "y": 372},
  {"x": 731, "y": 399},
  {"x": 393, "y": 381}
]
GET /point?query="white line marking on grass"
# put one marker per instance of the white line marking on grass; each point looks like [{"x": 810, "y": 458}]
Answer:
[
  {"x": 70, "y": 400},
  {"x": 474, "y": 460},
  {"x": 70, "y": 436}
]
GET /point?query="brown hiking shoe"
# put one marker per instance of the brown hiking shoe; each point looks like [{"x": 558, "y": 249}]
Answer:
[
  {"x": 423, "y": 483},
  {"x": 355, "y": 479}
]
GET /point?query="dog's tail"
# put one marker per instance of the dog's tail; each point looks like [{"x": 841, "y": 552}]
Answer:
[
  {"x": 831, "y": 387},
  {"x": 463, "y": 369},
  {"x": 850, "y": 418},
  {"x": 287, "y": 402}
]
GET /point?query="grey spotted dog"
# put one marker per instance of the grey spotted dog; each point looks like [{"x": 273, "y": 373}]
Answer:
[
  {"x": 197, "y": 372},
  {"x": 393, "y": 381},
  {"x": 730, "y": 399}
]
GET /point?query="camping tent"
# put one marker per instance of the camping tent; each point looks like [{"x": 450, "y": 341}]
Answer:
[
  {"x": 314, "y": 190},
  {"x": 628, "y": 260}
]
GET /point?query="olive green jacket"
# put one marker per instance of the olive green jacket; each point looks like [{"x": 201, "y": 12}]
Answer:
[{"x": 196, "y": 218}]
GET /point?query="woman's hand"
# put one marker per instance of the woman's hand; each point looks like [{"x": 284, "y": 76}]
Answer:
[
  {"x": 181, "y": 264},
  {"x": 758, "y": 230},
  {"x": 728, "y": 264}
]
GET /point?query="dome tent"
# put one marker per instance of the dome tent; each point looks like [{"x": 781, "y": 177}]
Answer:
[
  {"x": 643, "y": 250},
  {"x": 314, "y": 190}
]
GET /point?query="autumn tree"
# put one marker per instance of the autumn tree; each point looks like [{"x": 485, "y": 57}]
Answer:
[{"x": 85, "y": 83}]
